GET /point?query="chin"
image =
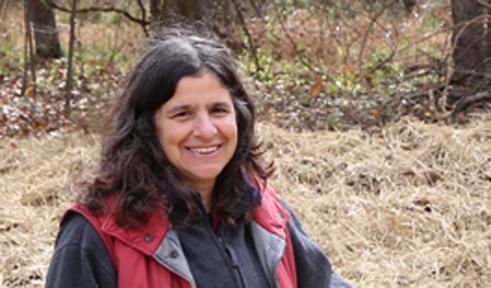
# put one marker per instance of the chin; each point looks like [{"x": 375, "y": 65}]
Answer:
[{"x": 206, "y": 177}]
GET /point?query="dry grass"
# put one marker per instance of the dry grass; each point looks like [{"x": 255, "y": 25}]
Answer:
[{"x": 409, "y": 207}]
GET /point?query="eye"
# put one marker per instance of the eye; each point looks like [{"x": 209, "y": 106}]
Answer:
[
  {"x": 181, "y": 114},
  {"x": 220, "y": 109}
]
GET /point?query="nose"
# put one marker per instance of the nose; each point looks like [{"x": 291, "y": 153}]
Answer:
[{"x": 204, "y": 127}]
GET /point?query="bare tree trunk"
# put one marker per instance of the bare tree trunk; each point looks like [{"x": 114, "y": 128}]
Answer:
[
  {"x": 29, "y": 63},
  {"x": 409, "y": 4},
  {"x": 43, "y": 20},
  {"x": 192, "y": 10},
  {"x": 172, "y": 11},
  {"x": 472, "y": 40},
  {"x": 159, "y": 10},
  {"x": 68, "y": 85},
  {"x": 26, "y": 51}
]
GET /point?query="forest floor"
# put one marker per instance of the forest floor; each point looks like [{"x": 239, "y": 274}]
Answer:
[{"x": 408, "y": 205}]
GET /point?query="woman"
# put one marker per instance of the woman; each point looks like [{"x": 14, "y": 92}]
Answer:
[{"x": 181, "y": 199}]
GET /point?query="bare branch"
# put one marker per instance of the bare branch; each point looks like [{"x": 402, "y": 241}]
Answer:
[
  {"x": 26, "y": 51},
  {"x": 305, "y": 62},
  {"x": 29, "y": 61},
  {"x": 248, "y": 35},
  {"x": 144, "y": 16},
  {"x": 369, "y": 30},
  {"x": 257, "y": 9},
  {"x": 483, "y": 3},
  {"x": 467, "y": 101},
  {"x": 68, "y": 85},
  {"x": 143, "y": 22}
]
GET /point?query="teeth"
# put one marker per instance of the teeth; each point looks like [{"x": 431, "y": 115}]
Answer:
[{"x": 204, "y": 150}]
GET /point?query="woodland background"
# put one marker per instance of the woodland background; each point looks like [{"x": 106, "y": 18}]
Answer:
[{"x": 375, "y": 112}]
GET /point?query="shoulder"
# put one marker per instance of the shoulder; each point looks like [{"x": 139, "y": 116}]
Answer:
[
  {"x": 275, "y": 203},
  {"x": 80, "y": 258},
  {"x": 268, "y": 194},
  {"x": 74, "y": 227},
  {"x": 271, "y": 214},
  {"x": 77, "y": 231}
]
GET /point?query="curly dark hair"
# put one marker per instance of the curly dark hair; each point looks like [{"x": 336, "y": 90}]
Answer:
[{"x": 133, "y": 166}]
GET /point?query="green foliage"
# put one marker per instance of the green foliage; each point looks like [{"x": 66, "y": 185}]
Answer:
[
  {"x": 10, "y": 59},
  {"x": 432, "y": 22}
]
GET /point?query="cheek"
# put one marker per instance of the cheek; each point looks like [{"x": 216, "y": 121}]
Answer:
[
  {"x": 171, "y": 137},
  {"x": 167, "y": 137},
  {"x": 233, "y": 133},
  {"x": 158, "y": 124},
  {"x": 162, "y": 140},
  {"x": 170, "y": 147}
]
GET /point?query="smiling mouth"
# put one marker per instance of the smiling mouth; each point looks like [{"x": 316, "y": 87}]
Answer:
[{"x": 205, "y": 150}]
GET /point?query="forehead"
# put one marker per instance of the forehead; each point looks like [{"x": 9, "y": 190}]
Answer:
[{"x": 202, "y": 88}]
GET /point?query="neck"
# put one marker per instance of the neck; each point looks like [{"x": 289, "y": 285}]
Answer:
[
  {"x": 206, "y": 201},
  {"x": 206, "y": 192}
]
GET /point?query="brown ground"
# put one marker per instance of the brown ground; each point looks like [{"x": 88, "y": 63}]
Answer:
[{"x": 407, "y": 207}]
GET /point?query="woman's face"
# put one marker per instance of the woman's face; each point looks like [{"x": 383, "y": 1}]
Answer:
[{"x": 197, "y": 129}]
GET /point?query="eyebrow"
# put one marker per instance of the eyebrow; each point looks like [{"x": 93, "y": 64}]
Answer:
[
  {"x": 178, "y": 108},
  {"x": 221, "y": 103}
]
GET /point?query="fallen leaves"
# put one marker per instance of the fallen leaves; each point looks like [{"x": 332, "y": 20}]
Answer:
[
  {"x": 42, "y": 108},
  {"x": 317, "y": 88}
]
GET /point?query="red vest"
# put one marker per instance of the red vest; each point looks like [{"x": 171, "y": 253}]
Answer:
[{"x": 144, "y": 257}]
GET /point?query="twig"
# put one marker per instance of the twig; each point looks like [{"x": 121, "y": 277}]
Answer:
[
  {"x": 29, "y": 62},
  {"x": 464, "y": 25},
  {"x": 304, "y": 61},
  {"x": 144, "y": 15},
  {"x": 257, "y": 9},
  {"x": 32, "y": 61},
  {"x": 464, "y": 102},
  {"x": 369, "y": 30},
  {"x": 488, "y": 5},
  {"x": 422, "y": 39},
  {"x": 248, "y": 35},
  {"x": 26, "y": 41},
  {"x": 143, "y": 22},
  {"x": 322, "y": 24},
  {"x": 379, "y": 64},
  {"x": 334, "y": 35},
  {"x": 68, "y": 86}
]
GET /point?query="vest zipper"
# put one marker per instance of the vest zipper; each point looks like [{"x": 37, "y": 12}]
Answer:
[
  {"x": 228, "y": 254},
  {"x": 235, "y": 264}
]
